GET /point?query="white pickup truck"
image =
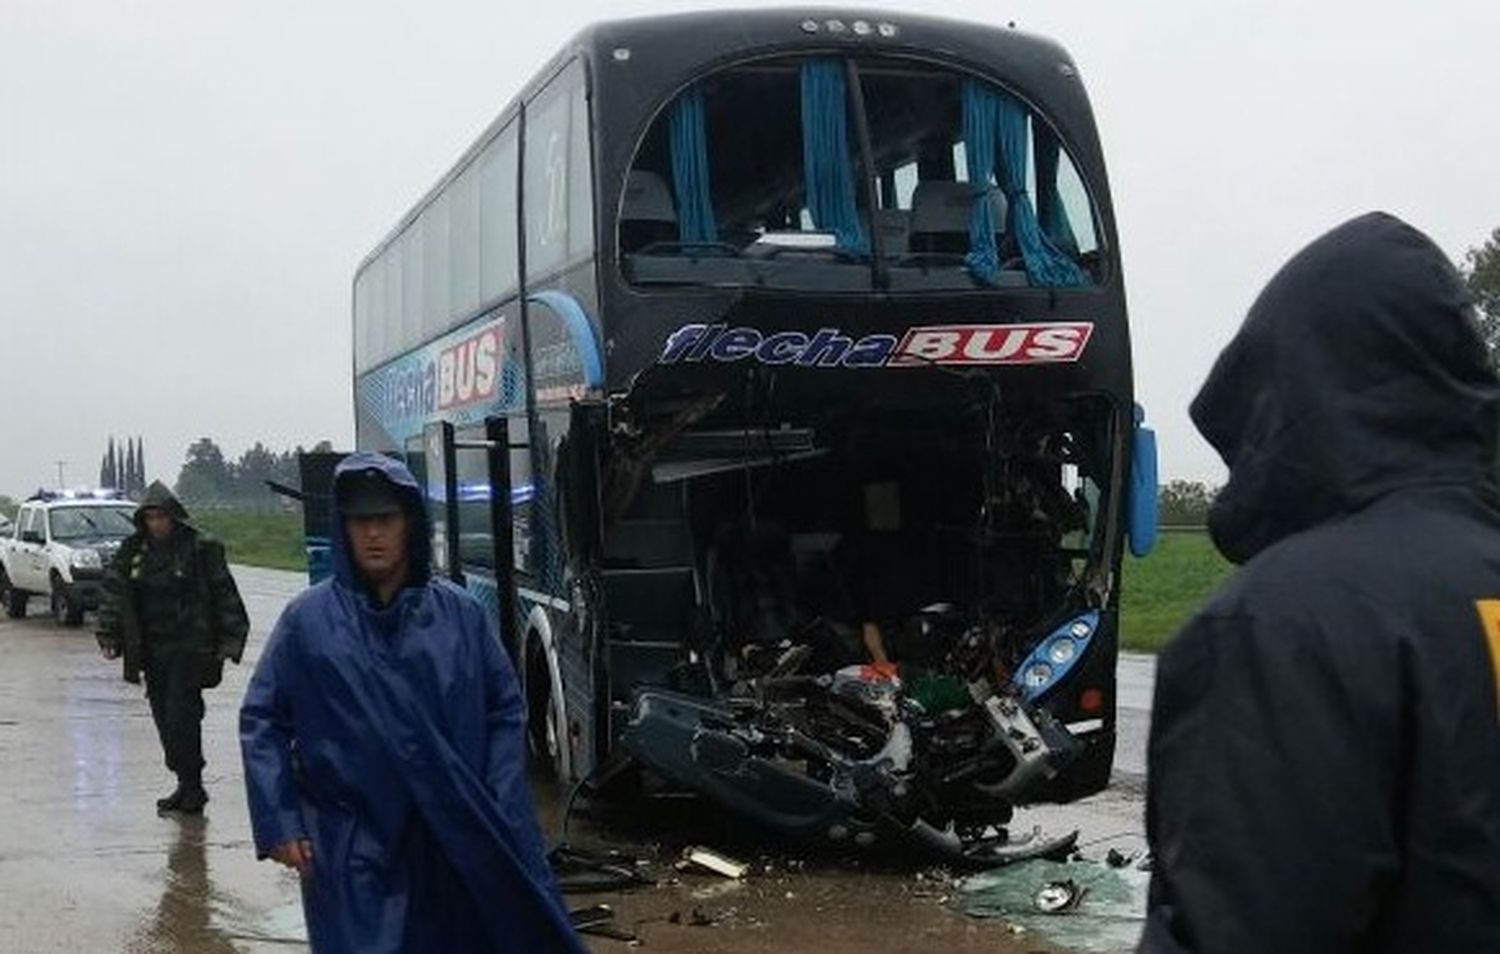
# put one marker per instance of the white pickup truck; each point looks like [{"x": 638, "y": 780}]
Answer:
[{"x": 59, "y": 547}]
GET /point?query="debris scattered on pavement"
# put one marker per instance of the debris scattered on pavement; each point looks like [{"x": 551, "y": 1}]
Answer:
[
  {"x": 598, "y": 920},
  {"x": 1084, "y": 905},
  {"x": 710, "y": 860},
  {"x": 1056, "y": 897},
  {"x": 702, "y": 918},
  {"x": 580, "y": 872},
  {"x": 718, "y": 890}
]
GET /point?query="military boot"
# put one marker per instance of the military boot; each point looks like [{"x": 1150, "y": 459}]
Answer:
[
  {"x": 194, "y": 796},
  {"x": 170, "y": 802}
]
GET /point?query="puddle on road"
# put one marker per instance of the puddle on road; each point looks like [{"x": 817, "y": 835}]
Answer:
[
  {"x": 280, "y": 925},
  {"x": 1108, "y": 918},
  {"x": 195, "y": 914}
]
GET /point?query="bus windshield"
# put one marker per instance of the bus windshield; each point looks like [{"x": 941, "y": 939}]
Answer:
[{"x": 771, "y": 173}]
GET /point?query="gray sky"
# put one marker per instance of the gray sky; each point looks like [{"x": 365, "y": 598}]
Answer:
[{"x": 186, "y": 186}]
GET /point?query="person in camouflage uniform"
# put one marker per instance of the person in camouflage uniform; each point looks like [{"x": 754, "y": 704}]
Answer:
[{"x": 171, "y": 611}]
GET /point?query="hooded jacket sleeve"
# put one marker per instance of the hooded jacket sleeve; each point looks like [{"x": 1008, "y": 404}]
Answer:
[
  {"x": 227, "y": 611},
  {"x": 266, "y": 744},
  {"x": 110, "y": 633},
  {"x": 1272, "y": 797}
]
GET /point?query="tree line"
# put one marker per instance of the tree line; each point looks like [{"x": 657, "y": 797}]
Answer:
[
  {"x": 1482, "y": 273},
  {"x": 124, "y": 470},
  {"x": 208, "y": 478}
]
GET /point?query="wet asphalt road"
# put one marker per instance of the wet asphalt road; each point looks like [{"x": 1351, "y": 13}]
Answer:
[{"x": 86, "y": 865}]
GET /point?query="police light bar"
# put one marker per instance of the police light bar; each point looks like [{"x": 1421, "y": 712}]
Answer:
[{"x": 103, "y": 493}]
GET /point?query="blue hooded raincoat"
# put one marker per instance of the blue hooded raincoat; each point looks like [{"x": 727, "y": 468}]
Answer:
[{"x": 393, "y": 739}]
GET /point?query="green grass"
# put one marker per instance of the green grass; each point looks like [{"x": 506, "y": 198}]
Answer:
[
  {"x": 272, "y": 540},
  {"x": 1162, "y": 590}
]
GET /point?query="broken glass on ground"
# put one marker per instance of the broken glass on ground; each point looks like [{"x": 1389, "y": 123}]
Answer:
[{"x": 1094, "y": 907}]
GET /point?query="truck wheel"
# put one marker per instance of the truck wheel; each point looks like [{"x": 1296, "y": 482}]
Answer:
[
  {"x": 65, "y": 610},
  {"x": 13, "y": 599}
]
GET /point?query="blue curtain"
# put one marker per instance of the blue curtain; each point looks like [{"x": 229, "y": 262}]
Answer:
[
  {"x": 995, "y": 121},
  {"x": 1141, "y": 512},
  {"x": 1050, "y": 211},
  {"x": 826, "y": 163},
  {"x": 689, "y": 145},
  {"x": 981, "y": 126}
]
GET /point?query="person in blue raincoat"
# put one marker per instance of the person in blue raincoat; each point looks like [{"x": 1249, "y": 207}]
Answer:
[{"x": 384, "y": 749}]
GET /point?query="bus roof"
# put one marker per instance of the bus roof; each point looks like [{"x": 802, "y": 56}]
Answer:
[{"x": 668, "y": 51}]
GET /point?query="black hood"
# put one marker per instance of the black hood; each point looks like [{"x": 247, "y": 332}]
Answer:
[
  {"x": 1359, "y": 371},
  {"x": 159, "y": 496}
]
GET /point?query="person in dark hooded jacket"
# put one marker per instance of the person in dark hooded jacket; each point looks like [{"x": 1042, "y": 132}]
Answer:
[
  {"x": 384, "y": 744},
  {"x": 171, "y": 611},
  {"x": 1324, "y": 761}
]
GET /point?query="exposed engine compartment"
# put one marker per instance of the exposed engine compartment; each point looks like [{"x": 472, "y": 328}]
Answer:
[{"x": 895, "y": 616}]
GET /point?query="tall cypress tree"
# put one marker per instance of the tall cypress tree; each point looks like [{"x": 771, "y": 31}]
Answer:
[
  {"x": 113, "y": 479},
  {"x": 140, "y": 464},
  {"x": 130, "y": 467}
]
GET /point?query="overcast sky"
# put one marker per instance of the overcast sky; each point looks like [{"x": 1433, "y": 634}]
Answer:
[{"x": 187, "y": 186}]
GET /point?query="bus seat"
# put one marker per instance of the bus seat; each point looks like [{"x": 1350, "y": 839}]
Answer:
[
  {"x": 940, "y": 216},
  {"x": 894, "y": 226},
  {"x": 647, "y": 214}
]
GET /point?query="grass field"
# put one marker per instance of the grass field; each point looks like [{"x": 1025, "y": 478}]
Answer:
[
  {"x": 1160, "y": 592},
  {"x": 258, "y": 539},
  {"x": 1164, "y": 589}
]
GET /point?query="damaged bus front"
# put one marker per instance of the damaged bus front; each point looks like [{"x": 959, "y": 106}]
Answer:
[
  {"x": 865, "y": 475},
  {"x": 797, "y": 346}
]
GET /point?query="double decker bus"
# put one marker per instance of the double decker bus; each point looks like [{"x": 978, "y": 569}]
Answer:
[{"x": 770, "y": 378}]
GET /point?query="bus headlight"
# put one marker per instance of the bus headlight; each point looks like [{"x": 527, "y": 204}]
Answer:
[
  {"x": 1037, "y": 676},
  {"x": 1061, "y": 651},
  {"x": 1054, "y": 657}
]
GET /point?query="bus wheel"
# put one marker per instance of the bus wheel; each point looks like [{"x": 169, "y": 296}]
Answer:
[{"x": 543, "y": 734}]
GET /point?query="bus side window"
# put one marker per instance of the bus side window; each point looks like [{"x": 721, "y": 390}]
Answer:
[
  {"x": 499, "y": 264},
  {"x": 558, "y": 185}
]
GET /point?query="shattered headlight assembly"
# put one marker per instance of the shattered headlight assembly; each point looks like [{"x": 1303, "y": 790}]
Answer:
[
  {"x": 1054, "y": 657},
  {"x": 86, "y": 560},
  {"x": 1061, "y": 650},
  {"x": 1037, "y": 676}
]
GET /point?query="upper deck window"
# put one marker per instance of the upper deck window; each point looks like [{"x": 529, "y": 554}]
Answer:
[
  {"x": 756, "y": 175},
  {"x": 558, "y": 193}
]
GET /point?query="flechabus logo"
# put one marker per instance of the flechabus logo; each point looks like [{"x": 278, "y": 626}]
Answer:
[
  {"x": 469, "y": 370},
  {"x": 447, "y": 375},
  {"x": 1053, "y": 342},
  {"x": 1042, "y": 343}
]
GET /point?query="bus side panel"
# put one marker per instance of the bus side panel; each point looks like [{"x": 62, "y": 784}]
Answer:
[
  {"x": 471, "y": 373},
  {"x": 566, "y": 366}
]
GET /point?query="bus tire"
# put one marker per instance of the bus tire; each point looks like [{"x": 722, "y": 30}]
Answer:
[{"x": 544, "y": 738}]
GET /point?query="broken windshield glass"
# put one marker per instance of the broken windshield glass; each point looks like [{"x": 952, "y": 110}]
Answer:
[{"x": 757, "y": 176}]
